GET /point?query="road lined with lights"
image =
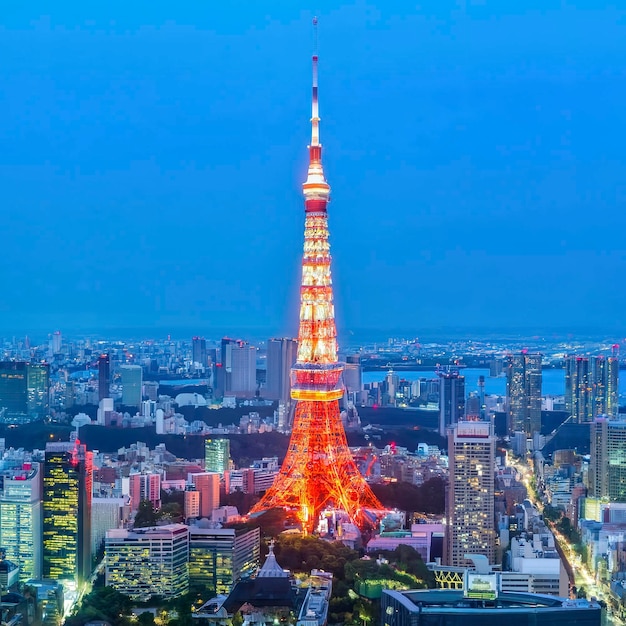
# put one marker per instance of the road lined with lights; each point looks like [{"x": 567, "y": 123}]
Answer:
[{"x": 572, "y": 560}]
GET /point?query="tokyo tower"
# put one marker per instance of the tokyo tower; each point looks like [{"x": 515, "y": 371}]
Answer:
[{"x": 318, "y": 470}]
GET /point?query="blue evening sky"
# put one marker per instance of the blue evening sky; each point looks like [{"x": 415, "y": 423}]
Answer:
[{"x": 151, "y": 156}]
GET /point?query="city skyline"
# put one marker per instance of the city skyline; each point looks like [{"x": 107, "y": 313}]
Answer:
[{"x": 170, "y": 178}]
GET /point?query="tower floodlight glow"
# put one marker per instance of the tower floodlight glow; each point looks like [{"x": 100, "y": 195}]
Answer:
[{"x": 318, "y": 470}]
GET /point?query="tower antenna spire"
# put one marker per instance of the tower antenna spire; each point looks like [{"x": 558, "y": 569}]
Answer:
[{"x": 315, "y": 118}]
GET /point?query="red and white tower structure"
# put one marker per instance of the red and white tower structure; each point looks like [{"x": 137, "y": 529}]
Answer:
[{"x": 318, "y": 470}]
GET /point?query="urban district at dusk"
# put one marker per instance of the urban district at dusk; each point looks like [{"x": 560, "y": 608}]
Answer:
[{"x": 177, "y": 476}]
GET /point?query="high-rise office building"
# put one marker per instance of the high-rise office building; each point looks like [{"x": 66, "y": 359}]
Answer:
[
  {"x": 281, "y": 355},
  {"x": 20, "y": 519},
  {"x": 24, "y": 389},
  {"x": 132, "y": 380},
  {"x": 56, "y": 341},
  {"x": 353, "y": 375},
  {"x": 470, "y": 494},
  {"x": 219, "y": 557},
  {"x": 236, "y": 373},
  {"x": 198, "y": 351},
  {"x": 607, "y": 467},
  {"x": 451, "y": 399},
  {"x": 243, "y": 373},
  {"x": 67, "y": 494},
  {"x": 146, "y": 562},
  {"x": 578, "y": 389},
  {"x": 605, "y": 385},
  {"x": 523, "y": 388},
  {"x": 591, "y": 387},
  {"x": 104, "y": 376},
  {"x": 106, "y": 513},
  {"x": 224, "y": 368},
  {"x": 216, "y": 455}
]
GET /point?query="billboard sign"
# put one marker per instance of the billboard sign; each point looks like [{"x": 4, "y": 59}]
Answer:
[{"x": 481, "y": 586}]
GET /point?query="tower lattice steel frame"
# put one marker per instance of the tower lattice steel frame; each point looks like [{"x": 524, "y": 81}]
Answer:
[{"x": 318, "y": 470}]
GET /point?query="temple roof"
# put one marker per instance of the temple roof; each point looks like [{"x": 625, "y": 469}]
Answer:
[{"x": 271, "y": 568}]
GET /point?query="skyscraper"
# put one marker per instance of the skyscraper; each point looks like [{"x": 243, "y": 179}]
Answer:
[
  {"x": 451, "y": 399},
  {"x": 243, "y": 372},
  {"x": 216, "y": 455},
  {"x": 353, "y": 376},
  {"x": 523, "y": 388},
  {"x": 198, "y": 351},
  {"x": 591, "y": 387},
  {"x": 56, "y": 342},
  {"x": 67, "y": 494},
  {"x": 20, "y": 519},
  {"x": 605, "y": 385},
  {"x": 470, "y": 493},
  {"x": 607, "y": 467},
  {"x": 578, "y": 389},
  {"x": 224, "y": 368},
  {"x": 24, "y": 389},
  {"x": 281, "y": 355},
  {"x": 318, "y": 470},
  {"x": 132, "y": 381},
  {"x": 104, "y": 376}
]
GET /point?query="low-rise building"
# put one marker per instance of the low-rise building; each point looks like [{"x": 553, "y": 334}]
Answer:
[
  {"x": 219, "y": 557},
  {"x": 146, "y": 562}
]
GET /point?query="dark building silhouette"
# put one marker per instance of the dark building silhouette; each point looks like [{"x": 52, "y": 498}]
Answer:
[
  {"x": 198, "y": 351},
  {"x": 24, "y": 390},
  {"x": 104, "y": 376},
  {"x": 451, "y": 399},
  {"x": 281, "y": 355}
]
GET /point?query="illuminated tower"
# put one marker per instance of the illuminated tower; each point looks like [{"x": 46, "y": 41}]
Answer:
[{"x": 318, "y": 469}]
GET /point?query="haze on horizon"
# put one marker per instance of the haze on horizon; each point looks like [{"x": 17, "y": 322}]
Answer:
[{"x": 152, "y": 159}]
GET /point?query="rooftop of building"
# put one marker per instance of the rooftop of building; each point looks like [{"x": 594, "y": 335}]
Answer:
[{"x": 438, "y": 600}]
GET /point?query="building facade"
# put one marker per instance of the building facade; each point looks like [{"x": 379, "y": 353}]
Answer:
[
  {"x": 605, "y": 381},
  {"x": 146, "y": 562},
  {"x": 24, "y": 391},
  {"x": 523, "y": 387},
  {"x": 579, "y": 388},
  {"x": 21, "y": 519},
  {"x": 207, "y": 485},
  {"x": 451, "y": 399},
  {"x": 145, "y": 486},
  {"x": 243, "y": 375},
  {"x": 199, "y": 351},
  {"x": 470, "y": 493},
  {"x": 132, "y": 381},
  {"x": 104, "y": 376},
  {"x": 218, "y": 557},
  {"x": 591, "y": 387},
  {"x": 281, "y": 355},
  {"x": 607, "y": 467},
  {"x": 217, "y": 455},
  {"x": 67, "y": 495}
]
